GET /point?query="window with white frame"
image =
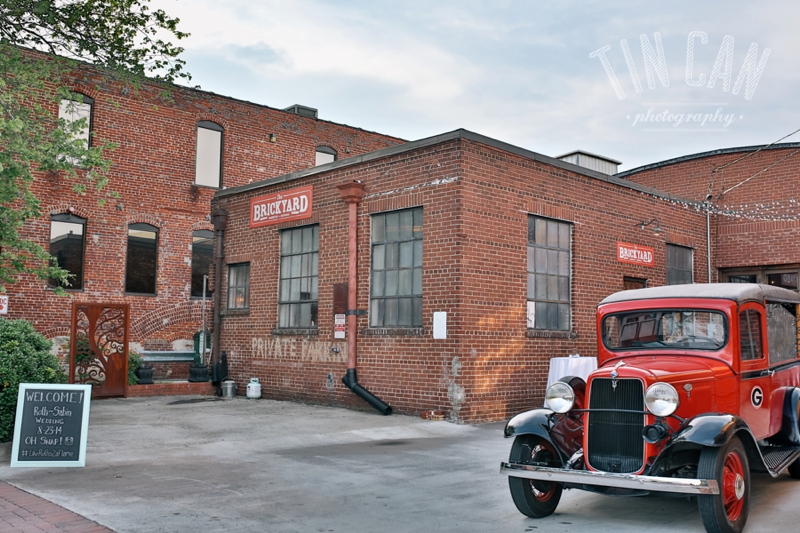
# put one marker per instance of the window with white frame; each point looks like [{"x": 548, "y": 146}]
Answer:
[
  {"x": 208, "y": 162},
  {"x": 679, "y": 265},
  {"x": 239, "y": 286},
  {"x": 549, "y": 266},
  {"x": 299, "y": 278},
  {"x": 67, "y": 244},
  {"x": 396, "y": 273},
  {"x": 325, "y": 154}
]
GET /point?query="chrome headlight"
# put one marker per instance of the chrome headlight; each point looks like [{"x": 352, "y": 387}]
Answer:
[
  {"x": 661, "y": 399},
  {"x": 560, "y": 397}
]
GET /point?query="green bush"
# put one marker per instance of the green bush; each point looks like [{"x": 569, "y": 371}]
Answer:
[
  {"x": 24, "y": 358},
  {"x": 134, "y": 362}
]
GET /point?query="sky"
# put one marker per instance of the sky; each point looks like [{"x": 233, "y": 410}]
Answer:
[{"x": 639, "y": 82}]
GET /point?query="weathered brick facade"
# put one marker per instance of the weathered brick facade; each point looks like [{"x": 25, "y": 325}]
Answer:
[
  {"x": 154, "y": 173},
  {"x": 754, "y": 224},
  {"x": 476, "y": 194}
]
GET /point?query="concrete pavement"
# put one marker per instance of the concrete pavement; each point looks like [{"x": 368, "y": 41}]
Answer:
[{"x": 180, "y": 464}]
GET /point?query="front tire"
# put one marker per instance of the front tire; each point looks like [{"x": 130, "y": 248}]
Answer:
[
  {"x": 725, "y": 512},
  {"x": 534, "y": 498}
]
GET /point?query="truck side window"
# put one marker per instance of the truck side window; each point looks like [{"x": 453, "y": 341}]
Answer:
[
  {"x": 781, "y": 332},
  {"x": 750, "y": 335}
]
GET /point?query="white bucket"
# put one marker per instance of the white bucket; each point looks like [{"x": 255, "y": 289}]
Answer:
[{"x": 254, "y": 388}]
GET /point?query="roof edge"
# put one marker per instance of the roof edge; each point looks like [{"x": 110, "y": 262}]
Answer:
[
  {"x": 450, "y": 136},
  {"x": 701, "y": 155}
]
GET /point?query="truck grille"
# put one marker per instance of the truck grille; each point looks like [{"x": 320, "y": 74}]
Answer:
[{"x": 615, "y": 442}]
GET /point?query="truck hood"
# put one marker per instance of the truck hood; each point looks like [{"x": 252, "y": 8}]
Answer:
[{"x": 665, "y": 368}]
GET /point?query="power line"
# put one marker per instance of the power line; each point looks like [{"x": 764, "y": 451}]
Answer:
[
  {"x": 761, "y": 171},
  {"x": 752, "y": 153}
]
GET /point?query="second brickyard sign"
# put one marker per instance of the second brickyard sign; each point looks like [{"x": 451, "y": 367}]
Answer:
[
  {"x": 294, "y": 204},
  {"x": 635, "y": 254}
]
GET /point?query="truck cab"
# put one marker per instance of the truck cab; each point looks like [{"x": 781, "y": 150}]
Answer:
[{"x": 696, "y": 386}]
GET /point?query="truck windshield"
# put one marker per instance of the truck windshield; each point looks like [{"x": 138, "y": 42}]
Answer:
[{"x": 687, "y": 329}]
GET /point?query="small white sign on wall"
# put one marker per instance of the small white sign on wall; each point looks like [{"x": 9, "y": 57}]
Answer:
[
  {"x": 440, "y": 325},
  {"x": 3, "y": 305}
]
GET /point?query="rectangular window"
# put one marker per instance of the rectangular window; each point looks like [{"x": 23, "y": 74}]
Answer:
[
  {"x": 750, "y": 335},
  {"x": 67, "y": 244},
  {"x": 549, "y": 266},
  {"x": 299, "y": 278},
  {"x": 679, "y": 265},
  {"x": 325, "y": 154},
  {"x": 141, "y": 267},
  {"x": 208, "y": 164},
  {"x": 239, "y": 286},
  {"x": 781, "y": 332},
  {"x": 75, "y": 109},
  {"x": 396, "y": 273},
  {"x": 202, "y": 255}
]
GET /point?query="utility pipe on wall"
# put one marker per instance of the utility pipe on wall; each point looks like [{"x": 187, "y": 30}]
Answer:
[
  {"x": 219, "y": 217},
  {"x": 352, "y": 193}
]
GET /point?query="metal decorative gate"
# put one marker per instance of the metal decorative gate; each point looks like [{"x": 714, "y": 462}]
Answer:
[{"x": 98, "y": 351}]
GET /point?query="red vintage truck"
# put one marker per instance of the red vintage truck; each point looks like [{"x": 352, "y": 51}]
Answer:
[{"x": 697, "y": 386}]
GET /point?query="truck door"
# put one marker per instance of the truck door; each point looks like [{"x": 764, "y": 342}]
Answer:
[{"x": 755, "y": 384}]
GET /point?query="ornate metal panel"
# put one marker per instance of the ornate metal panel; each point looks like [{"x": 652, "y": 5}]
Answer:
[{"x": 98, "y": 353}]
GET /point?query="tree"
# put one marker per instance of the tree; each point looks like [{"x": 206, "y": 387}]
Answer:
[{"x": 126, "y": 40}]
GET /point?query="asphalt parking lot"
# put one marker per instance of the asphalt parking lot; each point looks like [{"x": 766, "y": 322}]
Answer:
[{"x": 176, "y": 464}]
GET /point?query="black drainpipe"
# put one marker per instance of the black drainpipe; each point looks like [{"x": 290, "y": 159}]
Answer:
[
  {"x": 352, "y": 193},
  {"x": 219, "y": 217}
]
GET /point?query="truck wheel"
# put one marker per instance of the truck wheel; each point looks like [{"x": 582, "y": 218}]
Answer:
[
  {"x": 534, "y": 498},
  {"x": 725, "y": 512}
]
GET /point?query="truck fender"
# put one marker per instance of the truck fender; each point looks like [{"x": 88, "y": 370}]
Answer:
[
  {"x": 712, "y": 429},
  {"x": 535, "y": 422},
  {"x": 790, "y": 419}
]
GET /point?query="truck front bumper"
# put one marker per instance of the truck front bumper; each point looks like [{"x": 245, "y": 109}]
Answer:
[{"x": 608, "y": 479}]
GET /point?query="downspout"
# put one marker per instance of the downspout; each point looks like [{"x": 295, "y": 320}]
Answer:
[
  {"x": 352, "y": 193},
  {"x": 219, "y": 217},
  {"x": 708, "y": 236}
]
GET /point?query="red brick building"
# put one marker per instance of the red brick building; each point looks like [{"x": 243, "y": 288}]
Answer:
[
  {"x": 515, "y": 247},
  {"x": 754, "y": 203},
  {"x": 151, "y": 247}
]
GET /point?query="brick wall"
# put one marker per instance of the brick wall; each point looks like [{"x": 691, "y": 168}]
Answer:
[
  {"x": 153, "y": 171},
  {"x": 476, "y": 199},
  {"x": 752, "y": 224}
]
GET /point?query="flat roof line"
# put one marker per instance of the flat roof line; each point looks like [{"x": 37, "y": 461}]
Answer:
[
  {"x": 445, "y": 137},
  {"x": 702, "y": 155}
]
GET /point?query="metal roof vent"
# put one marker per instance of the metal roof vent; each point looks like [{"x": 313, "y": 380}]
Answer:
[
  {"x": 606, "y": 165},
  {"x": 302, "y": 110}
]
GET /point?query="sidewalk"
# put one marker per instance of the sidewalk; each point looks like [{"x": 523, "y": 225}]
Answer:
[{"x": 23, "y": 512}]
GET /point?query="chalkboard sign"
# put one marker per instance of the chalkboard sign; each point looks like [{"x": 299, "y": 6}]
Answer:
[{"x": 52, "y": 425}]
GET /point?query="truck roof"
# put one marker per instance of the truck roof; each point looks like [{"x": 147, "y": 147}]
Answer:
[{"x": 738, "y": 292}]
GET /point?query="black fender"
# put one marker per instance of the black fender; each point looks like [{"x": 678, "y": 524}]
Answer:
[
  {"x": 790, "y": 418},
  {"x": 708, "y": 430},
  {"x": 536, "y": 422}
]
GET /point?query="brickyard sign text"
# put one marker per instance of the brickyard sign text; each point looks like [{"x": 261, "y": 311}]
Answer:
[
  {"x": 294, "y": 204},
  {"x": 635, "y": 254}
]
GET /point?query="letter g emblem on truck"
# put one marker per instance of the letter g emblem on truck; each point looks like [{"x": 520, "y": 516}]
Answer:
[{"x": 756, "y": 397}]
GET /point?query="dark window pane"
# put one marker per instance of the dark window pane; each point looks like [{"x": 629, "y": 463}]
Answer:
[
  {"x": 142, "y": 259},
  {"x": 299, "y": 284},
  {"x": 202, "y": 256},
  {"x": 548, "y": 267},
  {"x": 66, "y": 245},
  {"x": 239, "y": 286}
]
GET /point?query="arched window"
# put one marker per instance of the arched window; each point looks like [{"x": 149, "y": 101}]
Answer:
[
  {"x": 141, "y": 267},
  {"x": 325, "y": 154},
  {"x": 208, "y": 162},
  {"x": 67, "y": 245}
]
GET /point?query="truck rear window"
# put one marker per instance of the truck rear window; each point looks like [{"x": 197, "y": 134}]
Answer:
[{"x": 687, "y": 329}]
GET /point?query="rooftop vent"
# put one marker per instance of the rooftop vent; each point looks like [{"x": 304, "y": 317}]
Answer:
[
  {"x": 303, "y": 111},
  {"x": 606, "y": 165}
]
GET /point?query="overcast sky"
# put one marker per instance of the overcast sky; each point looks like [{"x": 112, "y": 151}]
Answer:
[{"x": 520, "y": 72}]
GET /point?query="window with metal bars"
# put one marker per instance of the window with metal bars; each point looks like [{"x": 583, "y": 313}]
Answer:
[
  {"x": 548, "y": 274},
  {"x": 396, "y": 273},
  {"x": 299, "y": 278}
]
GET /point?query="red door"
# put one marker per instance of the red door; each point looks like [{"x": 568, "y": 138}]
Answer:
[{"x": 754, "y": 387}]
